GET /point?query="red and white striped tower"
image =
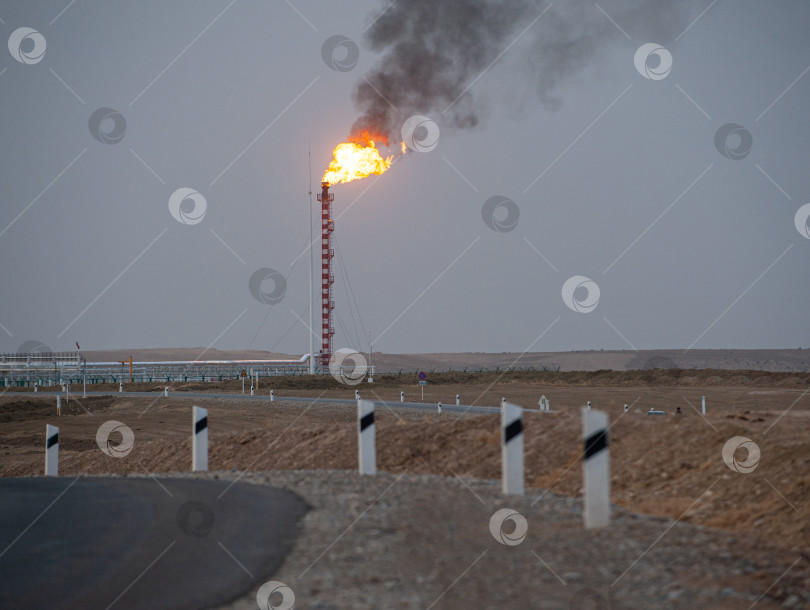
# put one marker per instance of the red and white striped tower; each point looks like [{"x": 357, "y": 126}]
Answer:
[{"x": 327, "y": 279}]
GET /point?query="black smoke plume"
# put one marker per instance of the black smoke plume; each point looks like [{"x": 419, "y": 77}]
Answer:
[{"x": 432, "y": 51}]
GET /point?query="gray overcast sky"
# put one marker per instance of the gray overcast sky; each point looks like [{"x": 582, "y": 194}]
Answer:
[{"x": 225, "y": 98}]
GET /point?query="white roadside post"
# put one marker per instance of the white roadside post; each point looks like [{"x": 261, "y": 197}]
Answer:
[
  {"x": 357, "y": 394},
  {"x": 596, "y": 469},
  {"x": 512, "y": 449},
  {"x": 272, "y": 396},
  {"x": 59, "y": 404},
  {"x": 367, "y": 454},
  {"x": 166, "y": 392},
  {"x": 36, "y": 386},
  {"x": 589, "y": 404},
  {"x": 440, "y": 407},
  {"x": 84, "y": 386},
  {"x": 458, "y": 399},
  {"x": 243, "y": 385},
  {"x": 257, "y": 379},
  {"x": 626, "y": 408},
  {"x": 703, "y": 404},
  {"x": 120, "y": 386},
  {"x": 199, "y": 444},
  {"x": 51, "y": 450},
  {"x": 67, "y": 393},
  {"x": 402, "y": 397},
  {"x": 503, "y": 403},
  {"x": 252, "y": 390}
]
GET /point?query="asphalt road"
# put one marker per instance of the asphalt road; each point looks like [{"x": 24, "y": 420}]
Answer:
[
  {"x": 139, "y": 542},
  {"x": 423, "y": 406}
]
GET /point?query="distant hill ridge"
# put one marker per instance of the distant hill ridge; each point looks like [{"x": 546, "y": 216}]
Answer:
[{"x": 777, "y": 360}]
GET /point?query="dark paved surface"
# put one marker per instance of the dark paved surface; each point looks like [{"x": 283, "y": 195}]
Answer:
[{"x": 129, "y": 543}]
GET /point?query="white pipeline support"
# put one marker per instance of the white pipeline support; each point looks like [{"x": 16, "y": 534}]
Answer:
[
  {"x": 596, "y": 469},
  {"x": 512, "y": 449},
  {"x": 367, "y": 454},
  {"x": 51, "y": 451},
  {"x": 199, "y": 441}
]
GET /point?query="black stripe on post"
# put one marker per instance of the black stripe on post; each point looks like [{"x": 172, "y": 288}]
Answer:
[
  {"x": 512, "y": 430},
  {"x": 52, "y": 440},
  {"x": 596, "y": 442},
  {"x": 201, "y": 425},
  {"x": 366, "y": 421}
]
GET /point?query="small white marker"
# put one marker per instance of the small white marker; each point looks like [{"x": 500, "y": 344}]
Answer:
[
  {"x": 59, "y": 404},
  {"x": 366, "y": 450},
  {"x": 120, "y": 386},
  {"x": 199, "y": 439},
  {"x": 357, "y": 394},
  {"x": 703, "y": 404},
  {"x": 272, "y": 396},
  {"x": 51, "y": 450},
  {"x": 166, "y": 392},
  {"x": 402, "y": 397},
  {"x": 440, "y": 408},
  {"x": 458, "y": 399},
  {"x": 596, "y": 469},
  {"x": 512, "y": 449}
]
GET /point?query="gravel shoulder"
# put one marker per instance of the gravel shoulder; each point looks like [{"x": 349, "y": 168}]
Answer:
[{"x": 423, "y": 541}]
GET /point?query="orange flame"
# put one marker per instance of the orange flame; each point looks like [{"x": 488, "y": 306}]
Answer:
[{"x": 353, "y": 160}]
